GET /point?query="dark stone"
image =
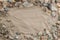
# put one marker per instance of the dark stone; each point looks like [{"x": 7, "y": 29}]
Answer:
[
  {"x": 59, "y": 18},
  {"x": 17, "y": 0}
]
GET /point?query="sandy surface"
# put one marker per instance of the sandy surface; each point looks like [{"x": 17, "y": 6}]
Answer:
[{"x": 30, "y": 19}]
